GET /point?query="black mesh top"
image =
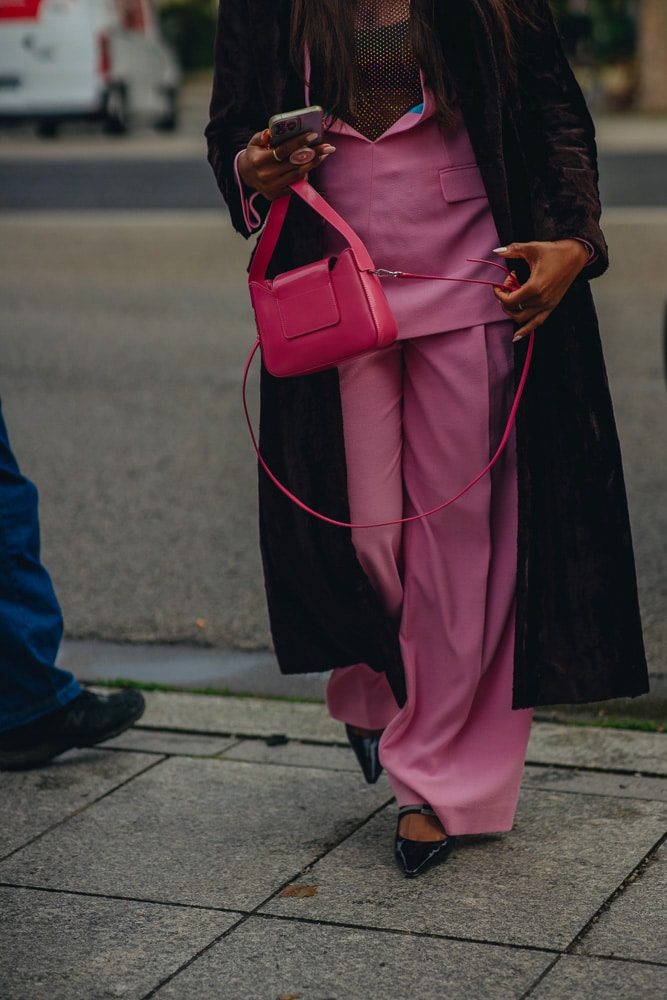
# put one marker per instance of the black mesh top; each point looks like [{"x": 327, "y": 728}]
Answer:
[{"x": 388, "y": 74}]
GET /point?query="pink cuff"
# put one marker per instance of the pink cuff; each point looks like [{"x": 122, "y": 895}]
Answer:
[
  {"x": 592, "y": 253},
  {"x": 251, "y": 216}
]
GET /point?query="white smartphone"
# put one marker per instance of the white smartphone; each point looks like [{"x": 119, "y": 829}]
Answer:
[{"x": 289, "y": 124}]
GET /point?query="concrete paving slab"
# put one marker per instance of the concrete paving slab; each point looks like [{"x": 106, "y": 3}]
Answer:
[
  {"x": 607, "y": 749},
  {"x": 537, "y": 886},
  {"x": 165, "y": 742},
  {"x": 60, "y": 947},
  {"x": 627, "y": 786},
  {"x": 635, "y": 925},
  {"x": 294, "y": 754},
  {"x": 599, "y": 979},
  {"x": 215, "y": 833},
  {"x": 272, "y": 959},
  {"x": 241, "y": 717},
  {"x": 33, "y": 801}
]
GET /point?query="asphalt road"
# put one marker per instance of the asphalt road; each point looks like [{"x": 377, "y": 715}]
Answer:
[
  {"x": 187, "y": 183},
  {"x": 122, "y": 342}
]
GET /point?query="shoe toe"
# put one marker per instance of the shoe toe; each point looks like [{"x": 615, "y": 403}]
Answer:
[
  {"x": 88, "y": 719},
  {"x": 94, "y": 718},
  {"x": 414, "y": 857},
  {"x": 366, "y": 750}
]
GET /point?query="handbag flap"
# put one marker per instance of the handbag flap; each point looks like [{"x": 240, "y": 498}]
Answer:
[{"x": 305, "y": 298}]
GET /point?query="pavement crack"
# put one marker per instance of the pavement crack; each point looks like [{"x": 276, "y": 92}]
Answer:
[
  {"x": 542, "y": 976},
  {"x": 635, "y": 875},
  {"x": 595, "y": 769},
  {"x": 83, "y": 808},
  {"x": 400, "y": 932},
  {"x": 193, "y": 958},
  {"x": 255, "y": 912},
  {"x": 89, "y": 894}
]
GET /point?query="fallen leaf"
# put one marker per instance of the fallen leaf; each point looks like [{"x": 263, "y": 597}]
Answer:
[
  {"x": 201, "y": 623},
  {"x": 289, "y": 996},
  {"x": 298, "y": 891}
]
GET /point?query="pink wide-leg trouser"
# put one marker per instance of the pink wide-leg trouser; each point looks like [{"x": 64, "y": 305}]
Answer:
[{"x": 421, "y": 419}]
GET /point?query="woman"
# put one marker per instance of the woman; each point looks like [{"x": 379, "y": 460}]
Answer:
[{"x": 455, "y": 129}]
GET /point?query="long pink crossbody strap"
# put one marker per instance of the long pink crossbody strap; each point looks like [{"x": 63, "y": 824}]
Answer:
[{"x": 400, "y": 520}]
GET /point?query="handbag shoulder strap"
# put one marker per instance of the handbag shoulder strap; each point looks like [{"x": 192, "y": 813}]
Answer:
[
  {"x": 274, "y": 223},
  {"x": 276, "y": 217}
]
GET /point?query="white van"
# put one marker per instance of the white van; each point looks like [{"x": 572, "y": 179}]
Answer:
[{"x": 95, "y": 59}]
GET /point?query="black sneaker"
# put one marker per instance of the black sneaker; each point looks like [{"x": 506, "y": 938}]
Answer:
[{"x": 85, "y": 721}]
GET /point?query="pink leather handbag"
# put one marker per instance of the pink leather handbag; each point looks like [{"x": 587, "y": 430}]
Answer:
[{"x": 322, "y": 314}]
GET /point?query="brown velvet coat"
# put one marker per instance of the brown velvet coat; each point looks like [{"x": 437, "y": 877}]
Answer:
[{"x": 578, "y": 633}]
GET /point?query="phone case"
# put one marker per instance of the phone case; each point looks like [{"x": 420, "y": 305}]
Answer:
[{"x": 290, "y": 124}]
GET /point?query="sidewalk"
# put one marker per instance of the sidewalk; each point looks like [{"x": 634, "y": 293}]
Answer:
[{"x": 166, "y": 864}]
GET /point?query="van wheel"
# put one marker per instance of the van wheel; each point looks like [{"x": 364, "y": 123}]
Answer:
[
  {"x": 116, "y": 117},
  {"x": 47, "y": 129},
  {"x": 168, "y": 122}
]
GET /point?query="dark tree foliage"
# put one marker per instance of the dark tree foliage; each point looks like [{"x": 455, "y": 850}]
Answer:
[
  {"x": 593, "y": 31},
  {"x": 189, "y": 25}
]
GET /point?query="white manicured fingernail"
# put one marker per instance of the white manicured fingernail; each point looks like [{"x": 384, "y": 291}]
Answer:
[{"x": 500, "y": 250}]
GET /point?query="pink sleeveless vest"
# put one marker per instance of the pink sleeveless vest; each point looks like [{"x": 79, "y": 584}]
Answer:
[{"x": 416, "y": 198}]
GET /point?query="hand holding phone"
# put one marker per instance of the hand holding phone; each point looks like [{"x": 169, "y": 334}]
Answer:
[{"x": 297, "y": 157}]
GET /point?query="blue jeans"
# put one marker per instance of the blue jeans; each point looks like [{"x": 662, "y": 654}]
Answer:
[{"x": 30, "y": 619}]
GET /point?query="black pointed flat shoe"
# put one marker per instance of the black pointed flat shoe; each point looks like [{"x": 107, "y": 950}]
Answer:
[
  {"x": 366, "y": 752},
  {"x": 414, "y": 857}
]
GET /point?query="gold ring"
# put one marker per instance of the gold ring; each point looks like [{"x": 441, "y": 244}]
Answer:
[{"x": 276, "y": 157}]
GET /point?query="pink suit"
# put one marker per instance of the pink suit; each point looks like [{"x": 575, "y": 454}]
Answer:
[{"x": 420, "y": 420}]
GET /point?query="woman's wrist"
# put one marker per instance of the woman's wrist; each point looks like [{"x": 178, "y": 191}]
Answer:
[{"x": 588, "y": 248}]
